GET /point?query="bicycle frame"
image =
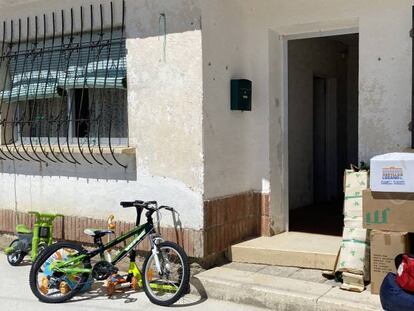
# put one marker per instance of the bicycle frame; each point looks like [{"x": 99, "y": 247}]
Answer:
[
  {"x": 141, "y": 232},
  {"x": 69, "y": 266},
  {"x": 134, "y": 270}
]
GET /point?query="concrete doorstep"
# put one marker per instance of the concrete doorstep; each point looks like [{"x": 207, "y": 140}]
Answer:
[
  {"x": 280, "y": 288},
  {"x": 296, "y": 249}
]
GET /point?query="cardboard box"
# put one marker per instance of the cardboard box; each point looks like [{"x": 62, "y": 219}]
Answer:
[
  {"x": 353, "y": 222},
  {"x": 392, "y": 172},
  {"x": 388, "y": 211},
  {"x": 385, "y": 246},
  {"x": 355, "y": 181},
  {"x": 355, "y": 252},
  {"x": 353, "y": 205},
  {"x": 355, "y": 234},
  {"x": 353, "y": 282}
]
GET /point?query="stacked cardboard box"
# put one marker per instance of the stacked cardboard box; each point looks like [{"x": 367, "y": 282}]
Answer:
[
  {"x": 389, "y": 209},
  {"x": 353, "y": 282},
  {"x": 354, "y": 254},
  {"x": 392, "y": 216},
  {"x": 385, "y": 246},
  {"x": 392, "y": 172}
]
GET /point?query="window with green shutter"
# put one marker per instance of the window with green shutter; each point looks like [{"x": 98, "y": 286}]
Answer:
[{"x": 65, "y": 89}]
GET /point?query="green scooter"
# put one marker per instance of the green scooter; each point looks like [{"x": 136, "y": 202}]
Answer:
[{"x": 33, "y": 242}]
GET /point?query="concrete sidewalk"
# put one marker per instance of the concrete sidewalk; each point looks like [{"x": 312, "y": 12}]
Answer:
[
  {"x": 235, "y": 286},
  {"x": 15, "y": 294},
  {"x": 281, "y": 288}
]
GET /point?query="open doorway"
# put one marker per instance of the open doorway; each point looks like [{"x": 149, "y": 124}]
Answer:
[{"x": 323, "y": 129}]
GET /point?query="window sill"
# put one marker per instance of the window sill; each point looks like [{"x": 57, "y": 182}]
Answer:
[
  {"x": 121, "y": 165},
  {"x": 74, "y": 149}
]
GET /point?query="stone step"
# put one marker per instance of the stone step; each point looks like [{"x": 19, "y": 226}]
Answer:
[
  {"x": 293, "y": 249},
  {"x": 266, "y": 290}
]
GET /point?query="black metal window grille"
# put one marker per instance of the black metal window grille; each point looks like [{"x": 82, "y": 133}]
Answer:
[{"x": 62, "y": 89}]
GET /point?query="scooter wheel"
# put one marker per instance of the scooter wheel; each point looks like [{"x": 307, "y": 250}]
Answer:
[{"x": 17, "y": 256}]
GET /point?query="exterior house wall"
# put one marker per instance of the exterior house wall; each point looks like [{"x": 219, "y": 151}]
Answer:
[
  {"x": 236, "y": 153},
  {"x": 165, "y": 127},
  {"x": 219, "y": 167},
  {"x": 352, "y": 107},
  {"x": 251, "y": 37}
]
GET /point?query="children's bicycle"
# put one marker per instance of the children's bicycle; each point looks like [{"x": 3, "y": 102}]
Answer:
[
  {"x": 33, "y": 242},
  {"x": 61, "y": 271}
]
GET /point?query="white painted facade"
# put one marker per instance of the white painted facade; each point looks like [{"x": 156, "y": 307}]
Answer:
[
  {"x": 251, "y": 37},
  {"x": 164, "y": 116},
  {"x": 190, "y": 147}
]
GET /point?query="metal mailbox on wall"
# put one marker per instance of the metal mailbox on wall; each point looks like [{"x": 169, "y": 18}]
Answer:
[{"x": 241, "y": 95}]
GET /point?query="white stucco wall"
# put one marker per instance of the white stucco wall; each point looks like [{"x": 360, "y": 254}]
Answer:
[
  {"x": 250, "y": 36},
  {"x": 235, "y": 143},
  {"x": 164, "y": 111},
  {"x": 190, "y": 146}
]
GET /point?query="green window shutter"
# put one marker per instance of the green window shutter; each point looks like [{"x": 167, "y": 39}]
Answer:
[
  {"x": 30, "y": 76},
  {"x": 99, "y": 67},
  {"x": 28, "y": 92},
  {"x": 97, "y": 64}
]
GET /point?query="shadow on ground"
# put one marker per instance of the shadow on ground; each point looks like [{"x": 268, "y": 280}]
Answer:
[{"x": 128, "y": 295}]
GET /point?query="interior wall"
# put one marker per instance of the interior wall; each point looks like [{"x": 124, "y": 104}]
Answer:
[{"x": 306, "y": 58}]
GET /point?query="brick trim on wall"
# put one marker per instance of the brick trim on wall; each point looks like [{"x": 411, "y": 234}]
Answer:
[
  {"x": 265, "y": 229},
  {"x": 71, "y": 228},
  {"x": 234, "y": 218},
  {"x": 227, "y": 220}
]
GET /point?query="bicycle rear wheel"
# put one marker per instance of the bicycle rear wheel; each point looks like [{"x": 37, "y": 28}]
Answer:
[
  {"x": 170, "y": 285},
  {"x": 54, "y": 285}
]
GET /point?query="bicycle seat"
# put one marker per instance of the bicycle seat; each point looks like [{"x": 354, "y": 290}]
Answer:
[
  {"x": 97, "y": 232},
  {"x": 23, "y": 229}
]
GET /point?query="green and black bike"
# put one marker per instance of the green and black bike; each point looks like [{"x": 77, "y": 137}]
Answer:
[{"x": 64, "y": 268}]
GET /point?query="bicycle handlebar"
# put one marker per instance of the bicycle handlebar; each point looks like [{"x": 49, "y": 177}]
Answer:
[
  {"x": 45, "y": 215},
  {"x": 138, "y": 203},
  {"x": 151, "y": 206},
  {"x": 130, "y": 204},
  {"x": 168, "y": 208}
]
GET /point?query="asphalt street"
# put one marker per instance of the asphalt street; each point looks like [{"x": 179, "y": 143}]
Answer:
[{"x": 15, "y": 294}]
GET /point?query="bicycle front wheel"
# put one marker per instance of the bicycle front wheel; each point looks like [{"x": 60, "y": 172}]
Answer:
[
  {"x": 59, "y": 272},
  {"x": 168, "y": 286}
]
